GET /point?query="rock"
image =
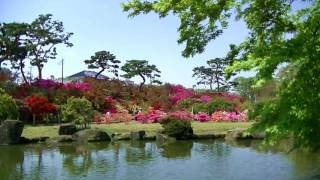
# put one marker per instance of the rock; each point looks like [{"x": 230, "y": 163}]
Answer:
[
  {"x": 258, "y": 135},
  {"x": 10, "y": 132},
  {"x": 91, "y": 135},
  {"x": 149, "y": 137},
  {"x": 238, "y": 133},
  {"x": 67, "y": 129},
  {"x": 138, "y": 135},
  {"x": 163, "y": 138},
  {"x": 119, "y": 137},
  {"x": 24, "y": 140},
  {"x": 60, "y": 139},
  {"x": 209, "y": 136}
]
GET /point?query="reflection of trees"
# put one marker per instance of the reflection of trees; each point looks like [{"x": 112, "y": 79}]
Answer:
[
  {"x": 305, "y": 163},
  {"x": 11, "y": 162},
  {"x": 79, "y": 159},
  {"x": 216, "y": 148},
  {"x": 138, "y": 151},
  {"x": 177, "y": 149}
]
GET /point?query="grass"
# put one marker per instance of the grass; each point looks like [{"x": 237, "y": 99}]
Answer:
[{"x": 198, "y": 127}]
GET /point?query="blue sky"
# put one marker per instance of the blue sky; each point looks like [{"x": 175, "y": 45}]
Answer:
[{"x": 102, "y": 25}]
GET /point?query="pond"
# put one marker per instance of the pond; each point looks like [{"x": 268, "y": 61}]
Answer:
[{"x": 206, "y": 159}]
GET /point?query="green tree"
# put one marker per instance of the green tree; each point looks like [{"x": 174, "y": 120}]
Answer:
[
  {"x": 141, "y": 68},
  {"x": 204, "y": 75},
  {"x": 244, "y": 86},
  {"x": 8, "y": 107},
  {"x": 78, "y": 110},
  {"x": 278, "y": 33},
  {"x": 43, "y": 37},
  {"x": 213, "y": 74},
  {"x": 104, "y": 60},
  {"x": 14, "y": 45},
  {"x": 2, "y": 46}
]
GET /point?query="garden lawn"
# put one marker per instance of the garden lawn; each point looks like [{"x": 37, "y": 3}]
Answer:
[{"x": 198, "y": 128}]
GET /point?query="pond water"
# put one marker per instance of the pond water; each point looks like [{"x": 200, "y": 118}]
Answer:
[{"x": 194, "y": 160}]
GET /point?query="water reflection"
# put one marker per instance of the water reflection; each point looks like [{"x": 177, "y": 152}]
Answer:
[
  {"x": 178, "y": 149},
  {"x": 150, "y": 160}
]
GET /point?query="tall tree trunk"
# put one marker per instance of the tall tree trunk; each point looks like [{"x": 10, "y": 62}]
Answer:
[
  {"x": 143, "y": 81},
  {"x": 33, "y": 119},
  {"x": 97, "y": 75},
  {"x": 39, "y": 72},
  {"x": 218, "y": 83},
  {"x": 22, "y": 72}
]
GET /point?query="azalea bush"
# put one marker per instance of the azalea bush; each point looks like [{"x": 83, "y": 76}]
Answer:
[
  {"x": 229, "y": 116},
  {"x": 152, "y": 116},
  {"x": 47, "y": 84},
  {"x": 202, "y": 117},
  {"x": 39, "y": 106},
  {"x": 117, "y": 117},
  {"x": 178, "y": 93},
  {"x": 181, "y": 115},
  {"x": 78, "y": 110}
]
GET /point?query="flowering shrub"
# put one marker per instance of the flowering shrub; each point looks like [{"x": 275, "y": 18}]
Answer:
[
  {"x": 205, "y": 98},
  {"x": 121, "y": 117},
  {"x": 202, "y": 117},
  {"x": 181, "y": 115},
  {"x": 102, "y": 118},
  {"x": 77, "y": 86},
  {"x": 229, "y": 116},
  {"x": 47, "y": 84},
  {"x": 152, "y": 116},
  {"x": 39, "y": 106},
  {"x": 113, "y": 117},
  {"x": 178, "y": 93}
]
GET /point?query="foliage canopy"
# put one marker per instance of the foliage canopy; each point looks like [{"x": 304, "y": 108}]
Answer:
[{"x": 278, "y": 33}]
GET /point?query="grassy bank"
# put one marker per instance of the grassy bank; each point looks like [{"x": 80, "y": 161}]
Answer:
[{"x": 199, "y": 128}]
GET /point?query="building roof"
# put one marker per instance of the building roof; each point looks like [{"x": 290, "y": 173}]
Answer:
[{"x": 83, "y": 74}]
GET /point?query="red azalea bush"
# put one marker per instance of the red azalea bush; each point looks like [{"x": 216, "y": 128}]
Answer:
[{"x": 39, "y": 106}]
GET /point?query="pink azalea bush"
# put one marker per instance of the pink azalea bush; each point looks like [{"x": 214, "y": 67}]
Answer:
[
  {"x": 202, "y": 117},
  {"x": 229, "y": 116},
  {"x": 77, "y": 86},
  {"x": 178, "y": 93},
  {"x": 181, "y": 115},
  {"x": 113, "y": 118},
  {"x": 205, "y": 98},
  {"x": 47, "y": 84},
  {"x": 152, "y": 116}
]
